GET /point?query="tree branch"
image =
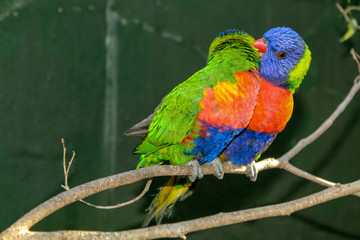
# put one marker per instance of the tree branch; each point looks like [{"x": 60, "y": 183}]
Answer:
[
  {"x": 179, "y": 230},
  {"x": 20, "y": 228}
]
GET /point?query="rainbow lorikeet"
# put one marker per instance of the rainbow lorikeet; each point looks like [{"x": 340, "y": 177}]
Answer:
[{"x": 231, "y": 110}]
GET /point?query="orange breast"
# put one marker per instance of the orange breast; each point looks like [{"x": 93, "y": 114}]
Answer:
[
  {"x": 273, "y": 109},
  {"x": 230, "y": 105}
]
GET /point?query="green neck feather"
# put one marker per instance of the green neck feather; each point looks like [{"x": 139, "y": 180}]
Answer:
[
  {"x": 234, "y": 50},
  {"x": 298, "y": 73}
]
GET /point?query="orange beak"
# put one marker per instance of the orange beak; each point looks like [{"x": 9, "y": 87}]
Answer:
[{"x": 259, "y": 45}]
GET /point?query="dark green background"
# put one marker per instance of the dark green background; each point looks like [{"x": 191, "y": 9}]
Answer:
[{"x": 53, "y": 81}]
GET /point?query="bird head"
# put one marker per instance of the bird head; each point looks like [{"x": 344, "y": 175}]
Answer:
[{"x": 285, "y": 58}]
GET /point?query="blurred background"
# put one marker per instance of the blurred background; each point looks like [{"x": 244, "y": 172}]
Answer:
[{"x": 87, "y": 70}]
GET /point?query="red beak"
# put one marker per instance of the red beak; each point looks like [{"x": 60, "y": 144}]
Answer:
[{"x": 259, "y": 44}]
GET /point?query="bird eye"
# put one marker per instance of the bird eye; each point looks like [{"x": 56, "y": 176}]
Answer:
[
  {"x": 281, "y": 55},
  {"x": 266, "y": 42}
]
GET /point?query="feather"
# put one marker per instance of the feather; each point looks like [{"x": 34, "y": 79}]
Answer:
[{"x": 141, "y": 128}]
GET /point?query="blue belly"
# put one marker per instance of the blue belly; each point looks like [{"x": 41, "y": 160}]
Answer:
[
  {"x": 214, "y": 142},
  {"x": 247, "y": 146}
]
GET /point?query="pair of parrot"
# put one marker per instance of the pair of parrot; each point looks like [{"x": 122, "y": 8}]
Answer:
[{"x": 231, "y": 110}]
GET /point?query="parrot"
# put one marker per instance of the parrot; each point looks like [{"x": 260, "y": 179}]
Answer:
[{"x": 231, "y": 110}]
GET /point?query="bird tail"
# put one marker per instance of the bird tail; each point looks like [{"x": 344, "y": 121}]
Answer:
[{"x": 175, "y": 189}]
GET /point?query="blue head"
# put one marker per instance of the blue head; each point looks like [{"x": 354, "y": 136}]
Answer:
[{"x": 286, "y": 60}]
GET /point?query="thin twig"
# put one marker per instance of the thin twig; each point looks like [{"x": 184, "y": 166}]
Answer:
[
  {"x": 64, "y": 162},
  {"x": 145, "y": 190},
  {"x": 352, "y": 8},
  {"x": 346, "y": 16},
  {"x": 67, "y": 188},
  {"x": 296, "y": 171},
  {"x": 356, "y": 57},
  {"x": 66, "y": 169},
  {"x": 303, "y": 174}
]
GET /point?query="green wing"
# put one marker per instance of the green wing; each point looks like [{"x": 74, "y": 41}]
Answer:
[{"x": 175, "y": 118}]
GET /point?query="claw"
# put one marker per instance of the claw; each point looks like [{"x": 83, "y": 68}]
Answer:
[
  {"x": 197, "y": 172},
  {"x": 251, "y": 171},
  {"x": 219, "y": 170}
]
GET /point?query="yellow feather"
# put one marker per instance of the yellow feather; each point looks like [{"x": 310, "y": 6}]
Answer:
[{"x": 163, "y": 203}]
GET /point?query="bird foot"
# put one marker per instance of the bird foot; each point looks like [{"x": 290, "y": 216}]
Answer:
[
  {"x": 219, "y": 169},
  {"x": 197, "y": 172},
  {"x": 251, "y": 171}
]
